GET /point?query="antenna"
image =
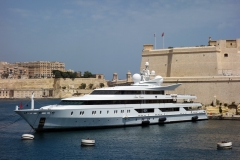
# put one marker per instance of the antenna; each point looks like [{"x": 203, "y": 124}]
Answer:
[{"x": 32, "y": 101}]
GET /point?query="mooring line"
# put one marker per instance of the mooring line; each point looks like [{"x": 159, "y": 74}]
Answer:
[
  {"x": 9, "y": 116},
  {"x": 7, "y": 125}
]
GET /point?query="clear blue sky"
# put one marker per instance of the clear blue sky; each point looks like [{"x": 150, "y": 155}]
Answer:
[{"x": 107, "y": 36}]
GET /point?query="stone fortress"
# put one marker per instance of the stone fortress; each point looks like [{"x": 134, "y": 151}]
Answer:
[
  {"x": 20, "y": 79},
  {"x": 212, "y": 72}
]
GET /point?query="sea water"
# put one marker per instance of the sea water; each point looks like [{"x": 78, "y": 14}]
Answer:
[{"x": 186, "y": 140}]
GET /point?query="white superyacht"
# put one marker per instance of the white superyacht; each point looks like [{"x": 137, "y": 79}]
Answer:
[{"x": 143, "y": 103}]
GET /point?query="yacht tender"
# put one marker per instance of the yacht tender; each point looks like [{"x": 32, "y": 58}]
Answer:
[{"x": 143, "y": 103}]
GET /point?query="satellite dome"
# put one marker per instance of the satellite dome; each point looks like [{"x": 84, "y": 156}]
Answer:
[
  {"x": 136, "y": 78},
  {"x": 160, "y": 79},
  {"x": 153, "y": 72}
]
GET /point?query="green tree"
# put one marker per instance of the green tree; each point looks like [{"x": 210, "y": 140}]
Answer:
[
  {"x": 87, "y": 74},
  {"x": 83, "y": 86},
  {"x": 101, "y": 85},
  {"x": 57, "y": 73},
  {"x": 72, "y": 75},
  {"x": 65, "y": 75}
]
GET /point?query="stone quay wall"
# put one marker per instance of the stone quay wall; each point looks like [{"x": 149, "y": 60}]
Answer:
[
  {"x": 50, "y": 87},
  {"x": 226, "y": 89}
]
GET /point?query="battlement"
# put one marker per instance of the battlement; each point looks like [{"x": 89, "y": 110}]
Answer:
[{"x": 189, "y": 50}]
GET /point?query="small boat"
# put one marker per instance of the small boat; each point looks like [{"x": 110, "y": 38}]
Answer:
[
  {"x": 224, "y": 145},
  {"x": 87, "y": 142},
  {"x": 27, "y": 137}
]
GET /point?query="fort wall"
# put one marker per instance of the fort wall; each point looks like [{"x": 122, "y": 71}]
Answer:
[
  {"x": 205, "y": 71},
  {"x": 226, "y": 89},
  {"x": 50, "y": 87},
  {"x": 221, "y": 57}
]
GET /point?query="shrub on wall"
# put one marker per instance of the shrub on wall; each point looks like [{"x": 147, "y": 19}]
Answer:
[
  {"x": 90, "y": 86},
  {"x": 101, "y": 85},
  {"x": 83, "y": 86}
]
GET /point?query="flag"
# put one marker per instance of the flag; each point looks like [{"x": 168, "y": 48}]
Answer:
[
  {"x": 162, "y": 34},
  {"x": 21, "y": 106}
]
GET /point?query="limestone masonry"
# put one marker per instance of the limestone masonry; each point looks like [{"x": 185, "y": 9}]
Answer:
[
  {"x": 206, "y": 71},
  {"x": 50, "y": 87}
]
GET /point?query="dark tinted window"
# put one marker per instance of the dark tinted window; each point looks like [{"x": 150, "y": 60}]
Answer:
[
  {"x": 106, "y": 102},
  {"x": 125, "y": 92},
  {"x": 169, "y": 109}
]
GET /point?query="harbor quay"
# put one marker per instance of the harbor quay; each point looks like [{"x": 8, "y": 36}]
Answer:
[{"x": 48, "y": 88}]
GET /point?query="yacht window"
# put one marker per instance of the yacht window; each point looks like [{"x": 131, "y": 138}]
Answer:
[
  {"x": 106, "y": 102},
  {"x": 100, "y": 112},
  {"x": 81, "y": 112},
  {"x": 169, "y": 109},
  {"x": 107, "y": 112},
  {"x": 111, "y": 92},
  {"x": 71, "y": 112},
  {"x": 146, "y": 110},
  {"x": 70, "y": 102}
]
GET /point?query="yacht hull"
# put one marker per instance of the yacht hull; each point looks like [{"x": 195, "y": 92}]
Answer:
[{"x": 60, "y": 121}]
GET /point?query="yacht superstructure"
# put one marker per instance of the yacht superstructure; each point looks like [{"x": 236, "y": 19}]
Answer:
[{"x": 142, "y": 103}]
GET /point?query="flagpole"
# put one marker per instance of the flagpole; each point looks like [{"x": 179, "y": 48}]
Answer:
[
  {"x": 155, "y": 40},
  {"x": 163, "y": 39},
  {"x": 163, "y": 42}
]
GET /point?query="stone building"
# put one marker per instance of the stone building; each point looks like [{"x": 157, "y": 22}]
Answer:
[
  {"x": 6, "y": 93},
  {"x": 117, "y": 82},
  {"x": 219, "y": 58},
  {"x": 206, "y": 71},
  {"x": 23, "y": 70},
  {"x": 41, "y": 69}
]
